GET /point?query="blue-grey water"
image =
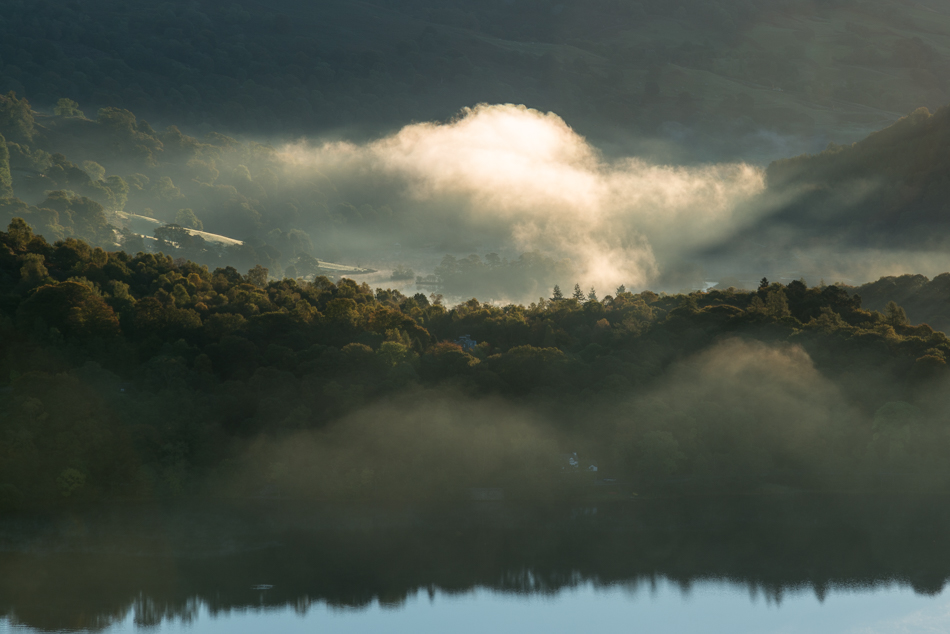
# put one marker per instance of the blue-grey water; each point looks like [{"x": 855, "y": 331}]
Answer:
[
  {"x": 660, "y": 608},
  {"x": 782, "y": 565}
]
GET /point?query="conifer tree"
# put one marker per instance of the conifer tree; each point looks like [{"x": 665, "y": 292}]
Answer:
[
  {"x": 578, "y": 293},
  {"x": 557, "y": 295},
  {"x": 895, "y": 315}
]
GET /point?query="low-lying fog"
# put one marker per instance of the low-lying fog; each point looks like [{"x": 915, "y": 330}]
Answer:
[
  {"x": 508, "y": 180},
  {"x": 514, "y": 177}
]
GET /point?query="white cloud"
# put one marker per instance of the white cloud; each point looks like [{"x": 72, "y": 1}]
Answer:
[{"x": 548, "y": 189}]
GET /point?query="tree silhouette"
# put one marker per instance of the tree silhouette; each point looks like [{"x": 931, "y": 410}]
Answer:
[
  {"x": 6, "y": 182},
  {"x": 257, "y": 276},
  {"x": 68, "y": 108},
  {"x": 777, "y": 304},
  {"x": 895, "y": 315}
]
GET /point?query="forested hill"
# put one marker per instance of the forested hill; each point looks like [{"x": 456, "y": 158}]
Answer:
[
  {"x": 856, "y": 212},
  {"x": 72, "y": 176},
  {"x": 890, "y": 189},
  {"x": 924, "y": 300},
  {"x": 138, "y": 376},
  {"x": 725, "y": 68}
]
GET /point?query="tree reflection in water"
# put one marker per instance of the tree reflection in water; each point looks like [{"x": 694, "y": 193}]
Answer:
[{"x": 90, "y": 569}]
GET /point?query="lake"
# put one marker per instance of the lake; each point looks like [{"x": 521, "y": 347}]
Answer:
[
  {"x": 708, "y": 607},
  {"x": 783, "y": 565}
]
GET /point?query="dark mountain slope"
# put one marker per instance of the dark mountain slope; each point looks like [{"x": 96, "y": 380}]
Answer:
[
  {"x": 723, "y": 69},
  {"x": 925, "y": 301},
  {"x": 874, "y": 208},
  {"x": 888, "y": 190}
]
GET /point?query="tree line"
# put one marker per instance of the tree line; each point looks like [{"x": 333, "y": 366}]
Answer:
[{"x": 130, "y": 376}]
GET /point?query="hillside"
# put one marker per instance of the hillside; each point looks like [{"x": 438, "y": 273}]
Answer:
[
  {"x": 889, "y": 189},
  {"x": 116, "y": 182},
  {"x": 852, "y": 213},
  {"x": 139, "y": 377},
  {"x": 818, "y": 71},
  {"x": 924, "y": 300}
]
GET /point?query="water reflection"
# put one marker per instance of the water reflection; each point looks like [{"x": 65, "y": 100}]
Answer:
[
  {"x": 710, "y": 607},
  {"x": 750, "y": 563}
]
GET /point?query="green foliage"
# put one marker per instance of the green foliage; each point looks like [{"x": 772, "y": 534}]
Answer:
[
  {"x": 186, "y": 218},
  {"x": 119, "y": 191},
  {"x": 19, "y": 234},
  {"x": 257, "y": 276},
  {"x": 16, "y": 118},
  {"x": 70, "y": 307},
  {"x": 94, "y": 170},
  {"x": 33, "y": 272},
  {"x": 776, "y": 304},
  {"x": 896, "y": 172},
  {"x": 895, "y": 315},
  {"x": 68, "y": 108},
  {"x": 6, "y": 181},
  {"x": 144, "y": 373},
  {"x": 402, "y": 273}
]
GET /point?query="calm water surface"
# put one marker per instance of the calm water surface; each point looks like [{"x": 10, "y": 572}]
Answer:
[
  {"x": 664, "y": 608},
  {"x": 758, "y": 567}
]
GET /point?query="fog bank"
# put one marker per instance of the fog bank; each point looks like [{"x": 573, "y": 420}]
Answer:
[{"x": 521, "y": 175}]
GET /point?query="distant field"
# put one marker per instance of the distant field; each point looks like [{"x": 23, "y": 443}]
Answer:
[{"x": 144, "y": 226}]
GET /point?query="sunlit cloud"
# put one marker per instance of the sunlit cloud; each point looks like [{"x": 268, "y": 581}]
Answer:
[{"x": 529, "y": 175}]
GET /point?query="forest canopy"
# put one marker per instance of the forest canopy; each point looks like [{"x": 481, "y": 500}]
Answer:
[
  {"x": 139, "y": 376},
  {"x": 411, "y": 300}
]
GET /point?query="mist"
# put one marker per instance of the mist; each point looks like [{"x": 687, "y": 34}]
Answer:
[
  {"x": 333, "y": 305},
  {"x": 743, "y": 413},
  {"x": 767, "y": 402},
  {"x": 525, "y": 178},
  {"x": 516, "y": 198},
  {"x": 427, "y": 445}
]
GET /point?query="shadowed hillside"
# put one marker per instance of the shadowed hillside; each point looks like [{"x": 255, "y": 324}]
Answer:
[
  {"x": 830, "y": 69},
  {"x": 877, "y": 207},
  {"x": 890, "y": 189},
  {"x": 142, "y": 377}
]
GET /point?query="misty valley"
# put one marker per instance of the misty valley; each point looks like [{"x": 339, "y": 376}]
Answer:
[{"x": 497, "y": 315}]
